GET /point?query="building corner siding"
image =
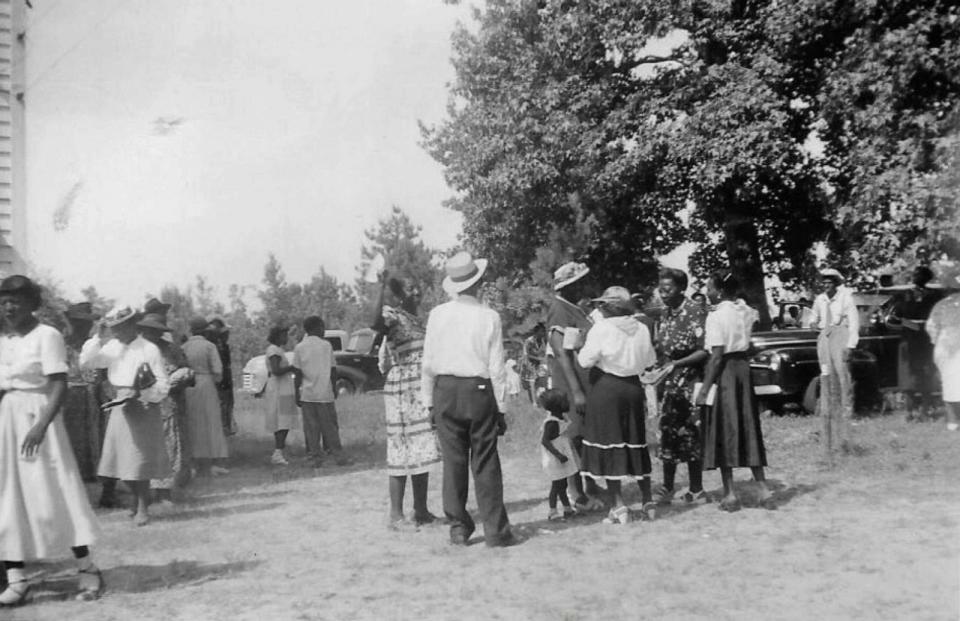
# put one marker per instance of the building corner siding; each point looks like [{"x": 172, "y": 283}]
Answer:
[{"x": 13, "y": 229}]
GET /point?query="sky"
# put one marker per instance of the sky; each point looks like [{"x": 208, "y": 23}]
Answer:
[{"x": 172, "y": 139}]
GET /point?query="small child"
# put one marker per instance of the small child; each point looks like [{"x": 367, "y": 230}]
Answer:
[{"x": 557, "y": 456}]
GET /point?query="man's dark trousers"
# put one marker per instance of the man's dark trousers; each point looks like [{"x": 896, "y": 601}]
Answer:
[{"x": 465, "y": 412}]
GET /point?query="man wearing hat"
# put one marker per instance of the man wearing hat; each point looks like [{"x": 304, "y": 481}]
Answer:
[
  {"x": 835, "y": 315},
  {"x": 463, "y": 383},
  {"x": 567, "y": 325}
]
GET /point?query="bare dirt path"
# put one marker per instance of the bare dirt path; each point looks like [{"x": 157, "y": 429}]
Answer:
[{"x": 875, "y": 539}]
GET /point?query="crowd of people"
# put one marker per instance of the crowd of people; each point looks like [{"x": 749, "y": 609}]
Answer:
[{"x": 160, "y": 409}]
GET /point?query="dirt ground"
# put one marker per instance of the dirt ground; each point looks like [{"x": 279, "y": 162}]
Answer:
[{"x": 876, "y": 538}]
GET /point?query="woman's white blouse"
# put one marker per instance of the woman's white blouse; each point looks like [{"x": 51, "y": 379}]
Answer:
[
  {"x": 26, "y": 361},
  {"x": 122, "y": 361},
  {"x": 729, "y": 325},
  {"x": 618, "y": 345}
]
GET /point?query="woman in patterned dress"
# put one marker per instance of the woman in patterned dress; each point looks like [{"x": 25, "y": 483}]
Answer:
[
  {"x": 680, "y": 351},
  {"x": 412, "y": 446}
]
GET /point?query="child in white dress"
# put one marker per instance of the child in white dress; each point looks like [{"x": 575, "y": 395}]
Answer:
[{"x": 557, "y": 456}]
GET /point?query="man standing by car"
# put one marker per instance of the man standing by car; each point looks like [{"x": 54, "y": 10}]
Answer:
[
  {"x": 463, "y": 384},
  {"x": 835, "y": 315},
  {"x": 918, "y": 374}
]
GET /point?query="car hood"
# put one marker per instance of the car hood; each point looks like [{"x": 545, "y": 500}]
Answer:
[{"x": 783, "y": 337}]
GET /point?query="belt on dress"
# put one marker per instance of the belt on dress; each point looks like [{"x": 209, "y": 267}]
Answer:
[{"x": 409, "y": 346}]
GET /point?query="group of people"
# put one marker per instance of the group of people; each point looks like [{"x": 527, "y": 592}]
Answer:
[
  {"x": 610, "y": 366},
  {"x": 160, "y": 402}
]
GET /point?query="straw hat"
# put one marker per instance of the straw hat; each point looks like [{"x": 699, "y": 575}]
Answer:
[
  {"x": 569, "y": 273},
  {"x": 462, "y": 272},
  {"x": 120, "y": 315},
  {"x": 831, "y": 273}
]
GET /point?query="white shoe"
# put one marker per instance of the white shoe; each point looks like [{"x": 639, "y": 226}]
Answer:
[
  {"x": 952, "y": 426},
  {"x": 217, "y": 470},
  {"x": 278, "y": 459}
]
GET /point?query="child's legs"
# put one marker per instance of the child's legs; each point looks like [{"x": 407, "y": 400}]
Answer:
[
  {"x": 695, "y": 473},
  {"x": 397, "y": 486},
  {"x": 557, "y": 488},
  {"x": 669, "y": 475},
  {"x": 280, "y": 439}
]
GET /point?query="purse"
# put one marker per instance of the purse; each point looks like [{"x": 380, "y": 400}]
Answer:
[{"x": 144, "y": 378}]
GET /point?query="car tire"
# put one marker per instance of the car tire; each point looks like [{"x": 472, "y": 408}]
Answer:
[
  {"x": 811, "y": 396},
  {"x": 344, "y": 387}
]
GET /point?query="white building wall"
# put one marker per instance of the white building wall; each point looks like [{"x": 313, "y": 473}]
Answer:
[{"x": 13, "y": 240}]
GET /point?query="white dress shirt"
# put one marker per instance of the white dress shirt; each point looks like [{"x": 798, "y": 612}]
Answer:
[
  {"x": 465, "y": 339},
  {"x": 841, "y": 310},
  {"x": 619, "y": 346},
  {"x": 729, "y": 325},
  {"x": 122, "y": 361}
]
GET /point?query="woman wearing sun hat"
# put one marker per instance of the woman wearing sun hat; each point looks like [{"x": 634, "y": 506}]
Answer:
[
  {"x": 153, "y": 327},
  {"x": 134, "y": 450},
  {"x": 614, "y": 435},
  {"x": 43, "y": 504},
  {"x": 567, "y": 324}
]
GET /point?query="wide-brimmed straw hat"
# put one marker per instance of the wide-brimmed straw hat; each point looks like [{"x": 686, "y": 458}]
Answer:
[
  {"x": 615, "y": 293},
  {"x": 462, "y": 272},
  {"x": 120, "y": 315},
  {"x": 82, "y": 311},
  {"x": 569, "y": 273},
  {"x": 829, "y": 272},
  {"x": 155, "y": 321},
  {"x": 156, "y": 307}
]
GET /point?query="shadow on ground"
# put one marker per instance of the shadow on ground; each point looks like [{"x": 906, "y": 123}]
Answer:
[{"x": 139, "y": 578}]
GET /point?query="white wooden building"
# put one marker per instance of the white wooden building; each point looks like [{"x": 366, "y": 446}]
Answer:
[{"x": 13, "y": 242}]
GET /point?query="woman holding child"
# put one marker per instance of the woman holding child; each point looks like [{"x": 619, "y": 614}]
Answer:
[{"x": 412, "y": 446}]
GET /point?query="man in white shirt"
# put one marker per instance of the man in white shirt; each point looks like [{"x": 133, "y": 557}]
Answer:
[
  {"x": 464, "y": 386},
  {"x": 313, "y": 359},
  {"x": 835, "y": 315}
]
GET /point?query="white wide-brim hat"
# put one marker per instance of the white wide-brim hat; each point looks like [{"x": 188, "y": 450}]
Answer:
[{"x": 462, "y": 272}]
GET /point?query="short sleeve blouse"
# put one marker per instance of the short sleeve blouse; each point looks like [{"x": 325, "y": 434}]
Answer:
[
  {"x": 728, "y": 325},
  {"x": 26, "y": 361}
]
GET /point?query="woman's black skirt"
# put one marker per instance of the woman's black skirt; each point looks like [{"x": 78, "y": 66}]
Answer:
[
  {"x": 614, "y": 435},
  {"x": 731, "y": 428}
]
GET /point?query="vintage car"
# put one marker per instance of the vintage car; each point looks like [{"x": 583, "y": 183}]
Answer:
[{"x": 785, "y": 368}]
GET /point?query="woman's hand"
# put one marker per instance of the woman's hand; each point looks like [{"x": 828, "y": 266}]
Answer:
[
  {"x": 579, "y": 401},
  {"x": 31, "y": 443}
]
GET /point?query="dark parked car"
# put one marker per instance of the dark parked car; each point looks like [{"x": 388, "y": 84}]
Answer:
[
  {"x": 358, "y": 367},
  {"x": 786, "y": 370}
]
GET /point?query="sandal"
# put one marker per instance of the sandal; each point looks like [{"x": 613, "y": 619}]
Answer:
[
  {"x": 694, "y": 497},
  {"x": 620, "y": 515},
  {"x": 91, "y": 585},
  {"x": 648, "y": 512},
  {"x": 15, "y": 594}
]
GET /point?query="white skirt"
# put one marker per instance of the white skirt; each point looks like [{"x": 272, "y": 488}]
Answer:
[{"x": 44, "y": 509}]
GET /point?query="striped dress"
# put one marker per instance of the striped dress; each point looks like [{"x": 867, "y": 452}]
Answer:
[{"x": 412, "y": 445}]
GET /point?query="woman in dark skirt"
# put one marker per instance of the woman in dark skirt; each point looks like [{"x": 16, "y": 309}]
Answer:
[
  {"x": 731, "y": 428},
  {"x": 617, "y": 350}
]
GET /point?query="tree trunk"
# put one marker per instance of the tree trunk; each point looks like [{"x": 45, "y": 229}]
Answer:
[{"x": 743, "y": 250}]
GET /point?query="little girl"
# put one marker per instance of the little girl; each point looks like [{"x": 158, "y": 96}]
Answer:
[{"x": 557, "y": 456}]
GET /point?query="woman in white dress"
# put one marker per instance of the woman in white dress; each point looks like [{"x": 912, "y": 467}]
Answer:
[
  {"x": 943, "y": 326},
  {"x": 43, "y": 505},
  {"x": 134, "y": 445}
]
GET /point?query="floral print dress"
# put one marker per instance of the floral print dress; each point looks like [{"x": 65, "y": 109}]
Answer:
[
  {"x": 412, "y": 445},
  {"x": 681, "y": 334}
]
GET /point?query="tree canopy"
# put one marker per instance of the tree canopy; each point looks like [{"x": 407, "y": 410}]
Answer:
[{"x": 667, "y": 122}]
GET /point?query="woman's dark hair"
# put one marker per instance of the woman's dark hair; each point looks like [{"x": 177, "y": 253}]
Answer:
[
  {"x": 554, "y": 401},
  {"x": 274, "y": 336},
  {"x": 726, "y": 283},
  {"x": 22, "y": 285},
  {"x": 679, "y": 277},
  {"x": 408, "y": 300},
  {"x": 313, "y": 323}
]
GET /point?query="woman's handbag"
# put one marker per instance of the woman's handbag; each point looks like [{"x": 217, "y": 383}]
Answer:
[{"x": 144, "y": 378}]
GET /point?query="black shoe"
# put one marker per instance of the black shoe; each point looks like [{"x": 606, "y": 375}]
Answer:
[
  {"x": 503, "y": 541},
  {"x": 460, "y": 536}
]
